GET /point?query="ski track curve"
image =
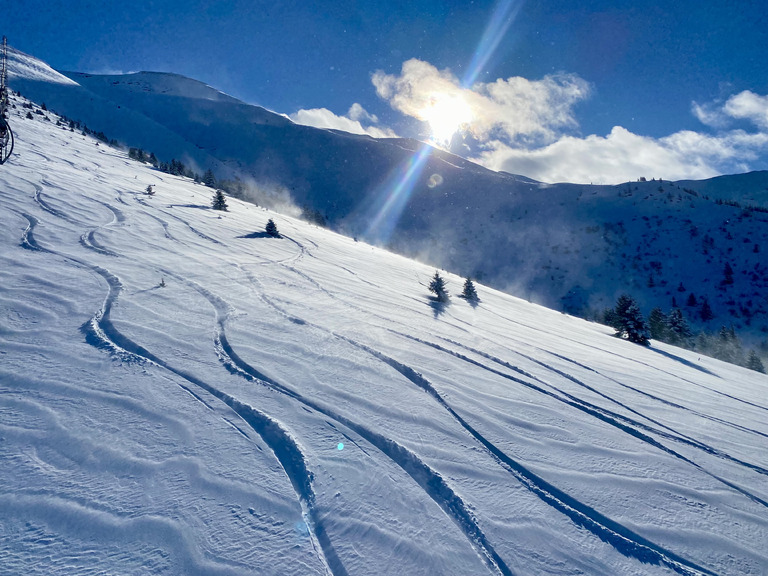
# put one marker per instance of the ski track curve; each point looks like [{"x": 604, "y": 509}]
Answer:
[
  {"x": 192, "y": 228},
  {"x": 87, "y": 240},
  {"x": 48, "y": 208},
  {"x": 618, "y": 536},
  {"x": 430, "y": 481},
  {"x": 100, "y": 333}
]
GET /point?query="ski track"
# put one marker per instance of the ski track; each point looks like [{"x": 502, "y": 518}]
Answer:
[
  {"x": 618, "y": 536},
  {"x": 621, "y": 538},
  {"x": 433, "y": 484},
  {"x": 645, "y": 364},
  {"x": 50, "y": 209},
  {"x": 100, "y": 333},
  {"x": 192, "y": 228},
  {"x": 88, "y": 241},
  {"x": 613, "y": 419},
  {"x": 670, "y": 434},
  {"x": 661, "y": 400}
]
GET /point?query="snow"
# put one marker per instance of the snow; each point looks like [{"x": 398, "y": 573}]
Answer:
[
  {"x": 24, "y": 66},
  {"x": 195, "y": 428}
]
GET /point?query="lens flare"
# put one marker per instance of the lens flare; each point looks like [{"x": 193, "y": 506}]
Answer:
[
  {"x": 503, "y": 16},
  {"x": 393, "y": 196}
]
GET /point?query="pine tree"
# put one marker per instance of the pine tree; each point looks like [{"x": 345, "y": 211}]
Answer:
[
  {"x": 219, "y": 202},
  {"x": 209, "y": 179},
  {"x": 706, "y": 313},
  {"x": 754, "y": 362},
  {"x": 437, "y": 287},
  {"x": 727, "y": 346},
  {"x": 678, "y": 333},
  {"x": 657, "y": 324},
  {"x": 691, "y": 300},
  {"x": 469, "y": 293},
  {"x": 629, "y": 322},
  {"x": 271, "y": 229}
]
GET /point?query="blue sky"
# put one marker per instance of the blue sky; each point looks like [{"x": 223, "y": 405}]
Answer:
[{"x": 589, "y": 91}]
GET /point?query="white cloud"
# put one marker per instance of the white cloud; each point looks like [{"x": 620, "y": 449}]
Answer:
[
  {"x": 360, "y": 114},
  {"x": 748, "y": 106},
  {"x": 352, "y": 122},
  {"x": 745, "y": 105},
  {"x": 623, "y": 156},
  {"x": 515, "y": 109},
  {"x": 710, "y": 115}
]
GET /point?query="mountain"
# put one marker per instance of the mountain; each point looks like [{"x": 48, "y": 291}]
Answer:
[
  {"x": 182, "y": 394},
  {"x": 571, "y": 247}
]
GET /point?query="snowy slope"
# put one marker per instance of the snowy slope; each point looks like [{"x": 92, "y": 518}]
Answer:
[
  {"x": 299, "y": 405},
  {"x": 570, "y": 247}
]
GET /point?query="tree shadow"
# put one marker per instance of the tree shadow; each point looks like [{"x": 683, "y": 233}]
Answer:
[
  {"x": 202, "y": 206},
  {"x": 258, "y": 235},
  {"x": 438, "y": 306},
  {"x": 684, "y": 362},
  {"x": 474, "y": 302}
]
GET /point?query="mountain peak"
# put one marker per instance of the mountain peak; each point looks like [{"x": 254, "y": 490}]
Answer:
[
  {"x": 26, "y": 67},
  {"x": 164, "y": 83}
]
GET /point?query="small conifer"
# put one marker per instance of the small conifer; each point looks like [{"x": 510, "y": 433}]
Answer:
[
  {"x": 219, "y": 201},
  {"x": 469, "y": 293},
  {"x": 271, "y": 229},
  {"x": 437, "y": 287}
]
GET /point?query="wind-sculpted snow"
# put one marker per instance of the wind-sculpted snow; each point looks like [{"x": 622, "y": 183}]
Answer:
[{"x": 182, "y": 394}]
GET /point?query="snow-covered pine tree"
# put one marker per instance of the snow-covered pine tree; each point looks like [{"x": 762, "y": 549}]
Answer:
[
  {"x": 271, "y": 229},
  {"x": 437, "y": 287},
  {"x": 469, "y": 293},
  {"x": 629, "y": 322},
  {"x": 219, "y": 201}
]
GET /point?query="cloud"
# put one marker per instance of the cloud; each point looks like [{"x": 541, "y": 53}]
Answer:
[
  {"x": 352, "y": 122},
  {"x": 514, "y": 109},
  {"x": 745, "y": 105},
  {"x": 748, "y": 106},
  {"x": 622, "y": 156},
  {"x": 529, "y": 127},
  {"x": 360, "y": 114}
]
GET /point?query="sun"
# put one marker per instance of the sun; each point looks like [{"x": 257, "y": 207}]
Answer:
[{"x": 446, "y": 114}]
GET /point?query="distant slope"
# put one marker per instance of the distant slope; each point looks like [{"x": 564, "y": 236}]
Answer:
[
  {"x": 571, "y": 247},
  {"x": 182, "y": 395}
]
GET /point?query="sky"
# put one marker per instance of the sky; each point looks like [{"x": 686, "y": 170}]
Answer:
[{"x": 596, "y": 91}]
